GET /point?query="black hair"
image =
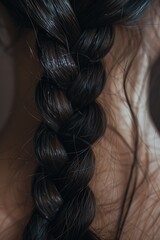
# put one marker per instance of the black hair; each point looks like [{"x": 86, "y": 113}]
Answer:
[{"x": 72, "y": 39}]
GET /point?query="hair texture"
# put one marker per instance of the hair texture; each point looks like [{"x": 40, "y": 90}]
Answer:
[{"x": 72, "y": 39}]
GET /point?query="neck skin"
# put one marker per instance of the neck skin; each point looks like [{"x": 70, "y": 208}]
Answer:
[
  {"x": 19, "y": 119},
  {"x": 114, "y": 157}
]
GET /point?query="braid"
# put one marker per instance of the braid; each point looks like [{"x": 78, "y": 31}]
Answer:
[
  {"x": 72, "y": 120},
  {"x": 71, "y": 45}
]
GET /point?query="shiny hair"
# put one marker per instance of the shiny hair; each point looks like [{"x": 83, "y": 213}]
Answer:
[{"x": 72, "y": 38}]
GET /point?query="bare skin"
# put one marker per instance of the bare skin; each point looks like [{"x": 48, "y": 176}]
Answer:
[
  {"x": 114, "y": 154},
  {"x": 19, "y": 119}
]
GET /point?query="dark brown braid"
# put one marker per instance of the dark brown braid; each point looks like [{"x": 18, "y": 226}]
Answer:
[{"x": 72, "y": 39}]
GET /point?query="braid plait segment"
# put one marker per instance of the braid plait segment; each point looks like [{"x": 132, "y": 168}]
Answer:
[
  {"x": 72, "y": 120},
  {"x": 72, "y": 38}
]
